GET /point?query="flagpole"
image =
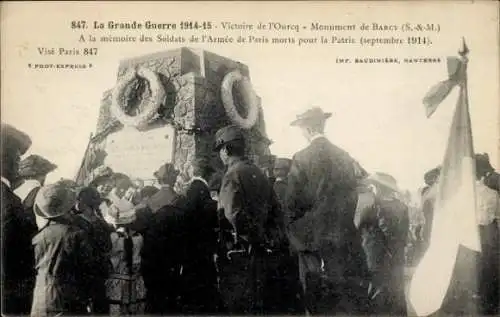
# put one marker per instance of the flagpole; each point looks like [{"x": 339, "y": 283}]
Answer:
[
  {"x": 454, "y": 230},
  {"x": 82, "y": 164}
]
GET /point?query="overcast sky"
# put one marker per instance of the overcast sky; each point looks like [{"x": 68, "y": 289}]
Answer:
[{"x": 378, "y": 114}]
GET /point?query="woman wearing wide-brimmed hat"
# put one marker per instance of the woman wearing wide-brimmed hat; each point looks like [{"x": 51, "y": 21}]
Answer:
[
  {"x": 125, "y": 287},
  {"x": 63, "y": 255},
  {"x": 33, "y": 171}
]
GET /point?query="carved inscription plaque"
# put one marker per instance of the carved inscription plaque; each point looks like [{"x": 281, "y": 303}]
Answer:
[{"x": 139, "y": 154}]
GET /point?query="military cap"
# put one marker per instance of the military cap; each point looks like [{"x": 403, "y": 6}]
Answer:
[
  {"x": 314, "y": 114},
  {"x": 13, "y": 139},
  {"x": 282, "y": 163},
  {"x": 35, "y": 165},
  {"x": 227, "y": 134},
  {"x": 56, "y": 199}
]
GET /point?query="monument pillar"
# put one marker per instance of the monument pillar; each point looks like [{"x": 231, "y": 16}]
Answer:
[{"x": 179, "y": 103}]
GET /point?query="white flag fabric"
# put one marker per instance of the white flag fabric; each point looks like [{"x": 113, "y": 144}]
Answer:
[
  {"x": 454, "y": 221},
  {"x": 441, "y": 90}
]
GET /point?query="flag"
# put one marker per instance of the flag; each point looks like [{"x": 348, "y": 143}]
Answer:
[
  {"x": 454, "y": 223},
  {"x": 441, "y": 90}
]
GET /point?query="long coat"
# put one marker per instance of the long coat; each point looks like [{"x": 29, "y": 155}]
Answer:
[
  {"x": 65, "y": 269},
  {"x": 199, "y": 275},
  {"x": 18, "y": 273},
  {"x": 319, "y": 214},
  {"x": 162, "y": 256},
  {"x": 250, "y": 205},
  {"x": 320, "y": 202}
]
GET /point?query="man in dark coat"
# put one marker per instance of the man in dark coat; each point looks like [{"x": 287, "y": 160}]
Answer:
[
  {"x": 99, "y": 236},
  {"x": 166, "y": 176},
  {"x": 384, "y": 227},
  {"x": 199, "y": 275},
  {"x": 17, "y": 229},
  {"x": 250, "y": 205},
  {"x": 164, "y": 246},
  {"x": 320, "y": 204}
]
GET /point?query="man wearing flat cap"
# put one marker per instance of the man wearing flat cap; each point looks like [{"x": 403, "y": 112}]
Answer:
[
  {"x": 319, "y": 210},
  {"x": 17, "y": 230},
  {"x": 250, "y": 205}
]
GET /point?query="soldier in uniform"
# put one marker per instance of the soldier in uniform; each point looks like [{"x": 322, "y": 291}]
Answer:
[
  {"x": 319, "y": 216},
  {"x": 18, "y": 272},
  {"x": 250, "y": 206}
]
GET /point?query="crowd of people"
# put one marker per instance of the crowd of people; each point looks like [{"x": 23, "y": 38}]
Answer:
[{"x": 316, "y": 235}]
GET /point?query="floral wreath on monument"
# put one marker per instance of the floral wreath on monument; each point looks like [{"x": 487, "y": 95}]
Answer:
[{"x": 135, "y": 102}]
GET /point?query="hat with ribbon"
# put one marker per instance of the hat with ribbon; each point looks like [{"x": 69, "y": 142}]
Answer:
[
  {"x": 56, "y": 199},
  {"x": 227, "y": 134},
  {"x": 312, "y": 115},
  {"x": 384, "y": 180},
  {"x": 35, "y": 165},
  {"x": 119, "y": 212},
  {"x": 14, "y": 139}
]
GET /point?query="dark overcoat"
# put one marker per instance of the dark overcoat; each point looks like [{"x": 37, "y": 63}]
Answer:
[
  {"x": 18, "y": 273},
  {"x": 250, "y": 205},
  {"x": 199, "y": 275},
  {"x": 320, "y": 205}
]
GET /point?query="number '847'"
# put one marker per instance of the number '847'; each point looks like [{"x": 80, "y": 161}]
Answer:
[{"x": 90, "y": 51}]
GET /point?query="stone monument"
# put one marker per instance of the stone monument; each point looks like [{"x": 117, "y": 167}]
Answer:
[{"x": 166, "y": 107}]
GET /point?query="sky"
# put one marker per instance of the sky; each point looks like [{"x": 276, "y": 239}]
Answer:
[{"x": 378, "y": 115}]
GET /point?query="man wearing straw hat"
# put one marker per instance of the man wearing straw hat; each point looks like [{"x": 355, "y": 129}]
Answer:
[
  {"x": 17, "y": 230},
  {"x": 319, "y": 211}
]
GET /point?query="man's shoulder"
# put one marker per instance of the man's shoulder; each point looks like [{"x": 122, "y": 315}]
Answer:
[
  {"x": 241, "y": 167},
  {"x": 11, "y": 204}
]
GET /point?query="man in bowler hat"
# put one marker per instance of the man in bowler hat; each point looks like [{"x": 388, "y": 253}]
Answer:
[
  {"x": 17, "y": 230},
  {"x": 319, "y": 211}
]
